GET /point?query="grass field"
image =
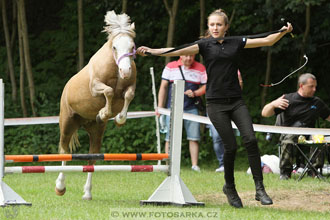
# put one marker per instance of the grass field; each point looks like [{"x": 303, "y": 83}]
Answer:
[{"x": 116, "y": 192}]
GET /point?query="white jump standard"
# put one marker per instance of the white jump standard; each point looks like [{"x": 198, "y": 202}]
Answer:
[
  {"x": 173, "y": 191},
  {"x": 7, "y": 195}
]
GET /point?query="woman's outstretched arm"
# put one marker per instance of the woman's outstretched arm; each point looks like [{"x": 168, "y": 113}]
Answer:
[
  {"x": 143, "y": 50},
  {"x": 270, "y": 40}
]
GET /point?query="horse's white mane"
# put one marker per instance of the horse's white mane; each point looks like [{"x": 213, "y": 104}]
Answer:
[{"x": 117, "y": 24}]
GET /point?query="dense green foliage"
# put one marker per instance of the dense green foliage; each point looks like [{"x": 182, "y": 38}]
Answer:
[{"x": 53, "y": 35}]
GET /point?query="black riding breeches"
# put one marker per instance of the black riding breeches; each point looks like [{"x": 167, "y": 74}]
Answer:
[{"x": 221, "y": 114}]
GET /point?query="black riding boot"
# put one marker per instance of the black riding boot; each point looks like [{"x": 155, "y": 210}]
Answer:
[
  {"x": 232, "y": 196},
  {"x": 261, "y": 194}
]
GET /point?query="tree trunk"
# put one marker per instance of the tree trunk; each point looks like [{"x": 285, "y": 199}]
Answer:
[
  {"x": 27, "y": 60},
  {"x": 171, "y": 25},
  {"x": 14, "y": 28},
  {"x": 124, "y": 6},
  {"x": 306, "y": 34},
  {"x": 269, "y": 57},
  {"x": 81, "y": 35},
  {"x": 202, "y": 17},
  {"x": 232, "y": 16},
  {"x": 22, "y": 66},
  {"x": 9, "y": 53},
  {"x": 267, "y": 77},
  {"x": 202, "y": 22}
]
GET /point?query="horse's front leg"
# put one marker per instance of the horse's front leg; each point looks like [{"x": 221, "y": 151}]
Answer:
[
  {"x": 128, "y": 96},
  {"x": 99, "y": 88}
]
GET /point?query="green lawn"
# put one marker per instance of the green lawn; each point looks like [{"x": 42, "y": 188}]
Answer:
[{"x": 116, "y": 192}]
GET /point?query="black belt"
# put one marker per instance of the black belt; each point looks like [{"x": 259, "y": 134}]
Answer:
[{"x": 224, "y": 100}]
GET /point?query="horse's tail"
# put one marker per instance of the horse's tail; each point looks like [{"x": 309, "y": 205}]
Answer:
[{"x": 74, "y": 142}]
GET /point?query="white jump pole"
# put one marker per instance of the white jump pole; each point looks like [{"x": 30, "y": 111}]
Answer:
[
  {"x": 173, "y": 191},
  {"x": 155, "y": 107},
  {"x": 7, "y": 195},
  {"x": 87, "y": 168}
]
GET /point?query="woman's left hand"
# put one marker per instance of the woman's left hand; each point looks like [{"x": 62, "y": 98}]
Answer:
[{"x": 287, "y": 28}]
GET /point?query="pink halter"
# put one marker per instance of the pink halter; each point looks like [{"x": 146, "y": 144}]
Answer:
[{"x": 125, "y": 55}]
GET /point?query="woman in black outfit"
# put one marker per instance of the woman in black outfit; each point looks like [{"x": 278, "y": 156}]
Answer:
[{"x": 224, "y": 97}]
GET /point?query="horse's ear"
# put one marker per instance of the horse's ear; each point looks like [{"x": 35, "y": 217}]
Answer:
[{"x": 133, "y": 26}]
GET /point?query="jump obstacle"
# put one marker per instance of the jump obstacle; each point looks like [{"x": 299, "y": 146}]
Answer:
[
  {"x": 172, "y": 191},
  {"x": 75, "y": 157},
  {"x": 87, "y": 168}
]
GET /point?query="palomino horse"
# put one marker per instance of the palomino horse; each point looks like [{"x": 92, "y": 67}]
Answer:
[{"x": 103, "y": 89}]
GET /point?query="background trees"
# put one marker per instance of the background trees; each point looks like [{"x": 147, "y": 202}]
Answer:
[{"x": 49, "y": 49}]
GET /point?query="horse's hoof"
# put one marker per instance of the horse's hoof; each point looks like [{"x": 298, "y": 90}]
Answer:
[
  {"x": 118, "y": 125},
  {"x": 87, "y": 197},
  {"x": 60, "y": 192},
  {"x": 120, "y": 120}
]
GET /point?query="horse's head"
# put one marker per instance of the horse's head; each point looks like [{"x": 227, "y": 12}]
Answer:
[
  {"x": 123, "y": 49},
  {"x": 121, "y": 34}
]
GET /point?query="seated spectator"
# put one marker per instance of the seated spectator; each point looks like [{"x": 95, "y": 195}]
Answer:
[{"x": 298, "y": 109}]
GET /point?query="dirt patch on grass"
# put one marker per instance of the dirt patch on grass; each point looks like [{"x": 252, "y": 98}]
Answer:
[{"x": 307, "y": 200}]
